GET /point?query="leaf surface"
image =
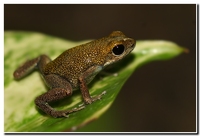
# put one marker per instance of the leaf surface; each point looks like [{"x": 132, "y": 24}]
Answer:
[{"x": 20, "y": 113}]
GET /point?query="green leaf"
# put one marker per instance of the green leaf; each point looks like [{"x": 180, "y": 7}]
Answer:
[{"x": 20, "y": 113}]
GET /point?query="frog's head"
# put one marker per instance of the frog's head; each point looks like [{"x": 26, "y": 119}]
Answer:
[{"x": 118, "y": 47}]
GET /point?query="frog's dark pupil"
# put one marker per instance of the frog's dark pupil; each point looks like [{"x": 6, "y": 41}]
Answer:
[{"x": 118, "y": 49}]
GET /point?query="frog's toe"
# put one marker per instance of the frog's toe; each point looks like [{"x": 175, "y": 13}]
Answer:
[
  {"x": 100, "y": 95},
  {"x": 65, "y": 115},
  {"x": 81, "y": 105},
  {"x": 103, "y": 93}
]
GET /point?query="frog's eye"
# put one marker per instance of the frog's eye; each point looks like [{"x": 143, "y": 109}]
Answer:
[{"x": 118, "y": 49}]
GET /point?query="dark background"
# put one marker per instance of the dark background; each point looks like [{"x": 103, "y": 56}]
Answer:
[{"x": 160, "y": 96}]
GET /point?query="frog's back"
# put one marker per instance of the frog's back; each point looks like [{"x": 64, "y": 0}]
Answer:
[{"x": 73, "y": 62}]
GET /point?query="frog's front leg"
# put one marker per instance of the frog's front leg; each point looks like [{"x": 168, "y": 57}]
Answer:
[
  {"x": 60, "y": 88},
  {"x": 89, "y": 75}
]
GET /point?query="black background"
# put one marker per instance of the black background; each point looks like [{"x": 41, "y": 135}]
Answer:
[{"x": 158, "y": 97}]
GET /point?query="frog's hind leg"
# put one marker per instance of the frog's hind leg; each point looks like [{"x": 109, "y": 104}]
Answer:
[
  {"x": 31, "y": 65},
  {"x": 60, "y": 88}
]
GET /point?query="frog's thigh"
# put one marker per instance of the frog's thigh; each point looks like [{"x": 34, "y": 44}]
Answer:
[
  {"x": 60, "y": 88},
  {"x": 56, "y": 81},
  {"x": 44, "y": 59},
  {"x": 30, "y": 65}
]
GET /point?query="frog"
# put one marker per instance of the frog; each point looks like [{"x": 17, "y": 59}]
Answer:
[{"x": 74, "y": 69}]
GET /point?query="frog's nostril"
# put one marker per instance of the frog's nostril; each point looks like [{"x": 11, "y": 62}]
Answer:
[{"x": 133, "y": 44}]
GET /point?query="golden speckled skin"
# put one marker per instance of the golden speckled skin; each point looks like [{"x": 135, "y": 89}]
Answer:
[
  {"x": 73, "y": 62},
  {"x": 74, "y": 69}
]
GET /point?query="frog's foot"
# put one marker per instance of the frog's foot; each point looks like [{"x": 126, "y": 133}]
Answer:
[
  {"x": 77, "y": 109},
  {"x": 90, "y": 100},
  {"x": 98, "y": 97},
  {"x": 65, "y": 113},
  {"x": 82, "y": 104}
]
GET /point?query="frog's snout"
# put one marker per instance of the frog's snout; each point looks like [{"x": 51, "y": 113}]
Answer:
[
  {"x": 133, "y": 44},
  {"x": 130, "y": 42}
]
